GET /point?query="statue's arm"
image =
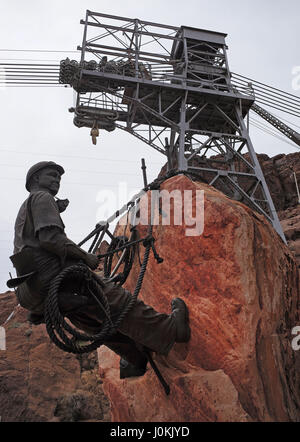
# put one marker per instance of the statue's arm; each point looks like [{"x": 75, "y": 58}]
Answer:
[
  {"x": 54, "y": 240},
  {"x": 49, "y": 228}
]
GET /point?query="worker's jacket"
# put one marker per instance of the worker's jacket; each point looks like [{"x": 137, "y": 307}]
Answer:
[{"x": 39, "y": 248}]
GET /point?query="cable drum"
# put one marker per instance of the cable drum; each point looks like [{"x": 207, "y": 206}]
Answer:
[{"x": 126, "y": 258}]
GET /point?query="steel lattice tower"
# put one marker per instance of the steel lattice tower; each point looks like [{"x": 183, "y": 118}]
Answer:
[{"x": 170, "y": 87}]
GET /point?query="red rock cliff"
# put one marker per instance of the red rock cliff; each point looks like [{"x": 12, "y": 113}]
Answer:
[{"x": 241, "y": 285}]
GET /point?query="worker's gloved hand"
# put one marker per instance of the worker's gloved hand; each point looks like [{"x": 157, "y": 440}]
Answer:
[
  {"x": 68, "y": 302},
  {"x": 91, "y": 261}
]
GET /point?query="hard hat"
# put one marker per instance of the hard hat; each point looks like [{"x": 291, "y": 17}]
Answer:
[{"x": 39, "y": 166}]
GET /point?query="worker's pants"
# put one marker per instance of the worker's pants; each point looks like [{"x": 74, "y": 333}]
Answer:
[{"x": 142, "y": 326}]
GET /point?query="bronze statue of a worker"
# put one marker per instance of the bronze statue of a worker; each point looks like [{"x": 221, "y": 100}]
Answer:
[{"x": 42, "y": 250}]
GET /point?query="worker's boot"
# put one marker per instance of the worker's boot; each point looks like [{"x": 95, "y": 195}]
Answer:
[
  {"x": 180, "y": 314},
  {"x": 128, "y": 370},
  {"x": 35, "y": 318},
  {"x": 133, "y": 360}
]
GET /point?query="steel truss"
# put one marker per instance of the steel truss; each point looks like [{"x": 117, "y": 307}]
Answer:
[
  {"x": 171, "y": 88},
  {"x": 279, "y": 125}
]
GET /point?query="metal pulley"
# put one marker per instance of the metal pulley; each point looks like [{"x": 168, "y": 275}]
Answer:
[{"x": 95, "y": 132}]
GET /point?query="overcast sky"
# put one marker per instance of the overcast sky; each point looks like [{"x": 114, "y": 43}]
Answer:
[{"x": 263, "y": 40}]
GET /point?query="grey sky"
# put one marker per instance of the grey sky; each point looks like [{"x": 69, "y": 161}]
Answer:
[{"x": 263, "y": 40}]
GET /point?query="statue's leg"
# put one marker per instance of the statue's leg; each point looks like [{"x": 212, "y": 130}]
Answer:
[
  {"x": 133, "y": 361},
  {"x": 143, "y": 324}
]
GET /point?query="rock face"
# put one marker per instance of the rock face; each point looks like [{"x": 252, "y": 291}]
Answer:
[
  {"x": 241, "y": 285},
  {"x": 38, "y": 381},
  {"x": 280, "y": 178},
  {"x": 290, "y": 222}
]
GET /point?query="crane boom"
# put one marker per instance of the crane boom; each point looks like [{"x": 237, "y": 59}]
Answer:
[{"x": 279, "y": 125}]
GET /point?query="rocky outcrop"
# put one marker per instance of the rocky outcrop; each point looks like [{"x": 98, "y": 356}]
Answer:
[
  {"x": 280, "y": 178},
  {"x": 290, "y": 222},
  {"x": 241, "y": 285},
  {"x": 38, "y": 381},
  {"x": 281, "y": 173}
]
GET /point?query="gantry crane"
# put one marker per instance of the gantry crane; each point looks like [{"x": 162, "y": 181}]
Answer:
[{"x": 172, "y": 88}]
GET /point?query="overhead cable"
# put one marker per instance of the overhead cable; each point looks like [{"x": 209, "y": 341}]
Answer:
[{"x": 263, "y": 84}]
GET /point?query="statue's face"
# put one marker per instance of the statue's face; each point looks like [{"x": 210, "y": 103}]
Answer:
[{"x": 49, "y": 179}]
